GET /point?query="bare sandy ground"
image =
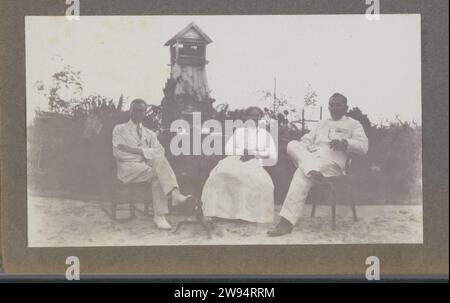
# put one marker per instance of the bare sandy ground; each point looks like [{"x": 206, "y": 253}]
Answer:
[{"x": 56, "y": 222}]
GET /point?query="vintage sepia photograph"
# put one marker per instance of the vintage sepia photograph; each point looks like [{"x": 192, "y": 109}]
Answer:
[{"x": 223, "y": 130}]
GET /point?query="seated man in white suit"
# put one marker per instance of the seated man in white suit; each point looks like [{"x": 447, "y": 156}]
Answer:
[
  {"x": 321, "y": 153},
  {"x": 140, "y": 158}
]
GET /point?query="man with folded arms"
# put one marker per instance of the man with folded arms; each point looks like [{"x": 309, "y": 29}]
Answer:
[
  {"x": 321, "y": 153},
  {"x": 140, "y": 158}
]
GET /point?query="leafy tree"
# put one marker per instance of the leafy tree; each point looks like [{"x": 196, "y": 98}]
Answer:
[
  {"x": 279, "y": 107},
  {"x": 310, "y": 98},
  {"x": 358, "y": 115},
  {"x": 66, "y": 90}
]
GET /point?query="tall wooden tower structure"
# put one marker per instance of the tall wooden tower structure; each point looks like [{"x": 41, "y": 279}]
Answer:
[{"x": 187, "y": 88}]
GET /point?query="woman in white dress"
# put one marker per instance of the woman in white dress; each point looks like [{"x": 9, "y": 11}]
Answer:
[{"x": 239, "y": 187}]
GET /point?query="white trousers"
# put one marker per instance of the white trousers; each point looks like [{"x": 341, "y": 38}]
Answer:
[{"x": 305, "y": 161}]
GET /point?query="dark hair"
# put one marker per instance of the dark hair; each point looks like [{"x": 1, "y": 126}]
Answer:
[
  {"x": 338, "y": 95},
  {"x": 137, "y": 101},
  {"x": 249, "y": 109}
]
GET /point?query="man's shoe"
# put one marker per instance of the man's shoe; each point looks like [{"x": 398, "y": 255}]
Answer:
[
  {"x": 161, "y": 222},
  {"x": 283, "y": 227},
  {"x": 178, "y": 198}
]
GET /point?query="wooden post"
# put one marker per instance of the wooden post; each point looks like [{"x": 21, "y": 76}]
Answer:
[
  {"x": 303, "y": 120},
  {"x": 320, "y": 112},
  {"x": 176, "y": 52},
  {"x": 204, "y": 53},
  {"x": 275, "y": 90}
]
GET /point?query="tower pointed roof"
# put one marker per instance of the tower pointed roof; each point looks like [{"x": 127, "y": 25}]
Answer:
[{"x": 191, "y": 33}]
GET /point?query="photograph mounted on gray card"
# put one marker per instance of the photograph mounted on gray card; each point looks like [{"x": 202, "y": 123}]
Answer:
[{"x": 223, "y": 130}]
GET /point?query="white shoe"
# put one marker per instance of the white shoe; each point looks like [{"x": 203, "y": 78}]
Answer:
[
  {"x": 178, "y": 198},
  {"x": 161, "y": 222}
]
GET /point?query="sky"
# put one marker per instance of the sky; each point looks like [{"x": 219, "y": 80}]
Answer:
[{"x": 376, "y": 64}]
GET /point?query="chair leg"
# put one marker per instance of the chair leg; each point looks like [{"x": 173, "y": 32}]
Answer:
[
  {"x": 355, "y": 216},
  {"x": 332, "y": 199},
  {"x": 313, "y": 210},
  {"x": 109, "y": 207},
  {"x": 113, "y": 213},
  {"x": 333, "y": 216}
]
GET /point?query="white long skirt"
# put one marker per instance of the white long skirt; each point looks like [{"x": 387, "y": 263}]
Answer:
[{"x": 239, "y": 190}]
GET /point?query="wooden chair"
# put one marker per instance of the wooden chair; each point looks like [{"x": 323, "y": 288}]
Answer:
[
  {"x": 333, "y": 191},
  {"x": 134, "y": 195}
]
